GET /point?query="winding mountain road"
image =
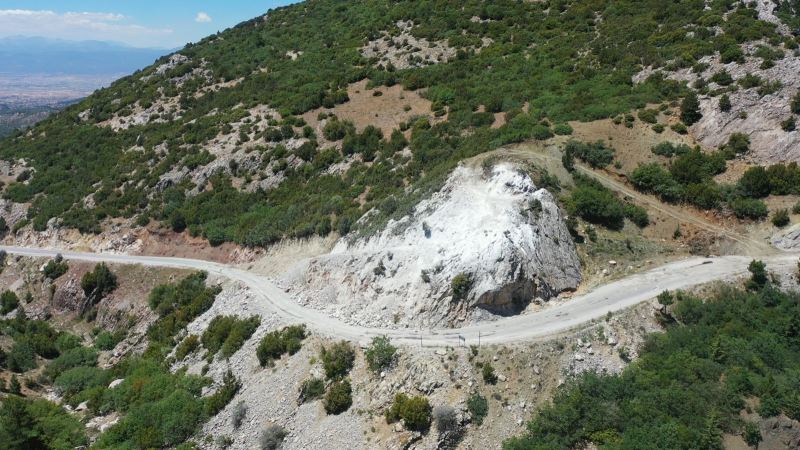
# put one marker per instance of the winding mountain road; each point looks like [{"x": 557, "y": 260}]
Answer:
[{"x": 592, "y": 305}]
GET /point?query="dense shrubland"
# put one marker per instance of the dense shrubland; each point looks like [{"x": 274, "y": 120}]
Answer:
[
  {"x": 566, "y": 65},
  {"x": 689, "y": 384},
  {"x": 689, "y": 177},
  {"x": 158, "y": 408}
]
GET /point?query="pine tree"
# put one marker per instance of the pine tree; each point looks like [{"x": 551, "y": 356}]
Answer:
[{"x": 690, "y": 109}]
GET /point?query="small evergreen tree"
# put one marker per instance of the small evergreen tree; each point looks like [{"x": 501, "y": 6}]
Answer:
[
  {"x": 690, "y": 109},
  {"x": 725, "y": 103}
]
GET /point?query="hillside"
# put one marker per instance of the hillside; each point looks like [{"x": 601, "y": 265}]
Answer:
[
  {"x": 245, "y": 118},
  {"x": 417, "y": 225}
]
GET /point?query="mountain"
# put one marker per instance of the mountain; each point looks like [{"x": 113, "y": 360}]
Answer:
[
  {"x": 254, "y": 111},
  {"x": 37, "y": 55}
]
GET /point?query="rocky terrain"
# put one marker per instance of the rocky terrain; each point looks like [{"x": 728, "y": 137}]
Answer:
[{"x": 495, "y": 230}]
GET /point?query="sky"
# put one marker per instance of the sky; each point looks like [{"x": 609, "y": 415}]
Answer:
[{"x": 138, "y": 23}]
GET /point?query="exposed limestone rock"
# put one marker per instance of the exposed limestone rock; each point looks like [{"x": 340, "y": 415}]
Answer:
[
  {"x": 758, "y": 116},
  {"x": 498, "y": 229},
  {"x": 788, "y": 239}
]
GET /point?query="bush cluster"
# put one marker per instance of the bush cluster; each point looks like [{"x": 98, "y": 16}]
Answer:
[
  {"x": 415, "y": 412},
  {"x": 275, "y": 344},
  {"x": 226, "y": 334}
]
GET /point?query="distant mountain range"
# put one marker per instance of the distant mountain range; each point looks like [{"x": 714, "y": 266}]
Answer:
[{"x": 37, "y": 55}]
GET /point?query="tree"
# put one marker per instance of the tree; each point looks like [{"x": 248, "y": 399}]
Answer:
[
  {"x": 690, "y": 109},
  {"x": 665, "y": 299},
  {"x": 725, "y": 103},
  {"x": 3, "y": 226},
  {"x": 758, "y": 278},
  {"x": 380, "y": 354},
  {"x": 98, "y": 283},
  {"x": 795, "y": 106}
]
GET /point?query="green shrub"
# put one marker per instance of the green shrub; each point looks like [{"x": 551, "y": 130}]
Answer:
[
  {"x": 98, "y": 283},
  {"x": 337, "y": 360},
  {"x": 789, "y": 124},
  {"x": 679, "y": 128},
  {"x": 228, "y": 334},
  {"x": 339, "y": 397},
  {"x": 755, "y": 183},
  {"x": 67, "y": 341},
  {"x": 596, "y": 204},
  {"x": 653, "y": 178},
  {"x": 70, "y": 359},
  {"x": 780, "y": 218},
  {"x": 637, "y": 215},
  {"x": 658, "y": 128},
  {"x": 749, "y": 208},
  {"x": 275, "y": 344},
  {"x": 648, "y": 115},
  {"x": 187, "y": 346},
  {"x": 8, "y": 302},
  {"x": 177, "y": 305},
  {"x": 107, "y": 340},
  {"x": 725, "y": 103},
  {"x": 487, "y": 371},
  {"x": 216, "y": 402},
  {"x": 738, "y": 143},
  {"x": 415, "y": 412},
  {"x": 795, "y": 105},
  {"x": 796, "y": 208},
  {"x": 380, "y": 354},
  {"x": 311, "y": 389},
  {"x": 669, "y": 149},
  {"x": 461, "y": 285},
  {"x": 478, "y": 408},
  {"x": 562, "y": 129},
  {"x": 55, "y": 267},
  {"x": 722, "y": 78},
  {"x": 596, "y": 154},
  {"x": 72, "y": 381},
  {"x": 751, "y": 434}
]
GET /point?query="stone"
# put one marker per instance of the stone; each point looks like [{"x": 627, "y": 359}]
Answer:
[
  {"x": 116, "y": 383},
  {"x": 476, "y": 227}
]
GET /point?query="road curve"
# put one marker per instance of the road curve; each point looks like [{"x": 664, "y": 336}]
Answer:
[{"x": 592, "y": 305}]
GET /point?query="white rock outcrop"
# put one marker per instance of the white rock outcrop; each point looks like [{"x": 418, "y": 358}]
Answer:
[{"x": 496, "y": 227}]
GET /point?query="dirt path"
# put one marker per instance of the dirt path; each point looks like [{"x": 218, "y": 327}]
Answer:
[{"x": 592, "y": 305}]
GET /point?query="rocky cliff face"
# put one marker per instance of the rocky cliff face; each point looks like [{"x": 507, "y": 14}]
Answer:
[{"x": 503, "y": 238}]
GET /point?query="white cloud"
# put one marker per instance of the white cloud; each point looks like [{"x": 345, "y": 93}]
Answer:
[
  {"x": 81, "y": 26},
  {"x": 202, "y": 17}
]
